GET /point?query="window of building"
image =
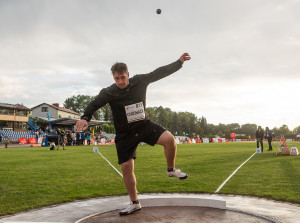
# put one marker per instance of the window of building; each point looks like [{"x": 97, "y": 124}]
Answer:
[
  {"x": 21, "y": 125},
  {"x": 24, "y": 125},
  {"x": 4, "y": 111},
  {"x": 44, "y": 109},
  {"x": 21, "y": 113},
  {"x": 17, "y": 125}
]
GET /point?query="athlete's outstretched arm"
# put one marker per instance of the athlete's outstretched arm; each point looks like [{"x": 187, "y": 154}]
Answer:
[{"x": 165, "y": 71}]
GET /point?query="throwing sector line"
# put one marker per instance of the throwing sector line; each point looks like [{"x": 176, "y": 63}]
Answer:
[
  {"x": 217, "y": 191},
  {"x": 111, "y": 165}
]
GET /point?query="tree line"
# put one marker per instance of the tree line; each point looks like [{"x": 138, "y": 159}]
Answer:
[{"x": 179, "y": 123}]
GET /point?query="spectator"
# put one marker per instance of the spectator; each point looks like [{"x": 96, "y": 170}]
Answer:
[
  {"x": 61, "y": 138},
  {"x": 40, "y": 133},
  {"x": 37, "y": 134},
  {"x": 82, "y": 138},
  {"x": 269, "y": 136},
  {"x": 69, "y": 138},
  {"x": 89, "y": 137},
  {"x": 73, "y": 138},
  {"x": 52, "y": 146},
  {"x": 259, "y": 138},
  {"x": 97, "y": 138},
  {"x": 78, "y": 138},
  {"x": 47, "y": 130}
]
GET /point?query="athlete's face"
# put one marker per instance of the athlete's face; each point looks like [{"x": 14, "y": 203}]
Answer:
[{"x": 121, "y": 79}]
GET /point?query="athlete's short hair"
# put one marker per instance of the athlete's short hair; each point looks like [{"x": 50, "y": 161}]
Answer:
[{"x": 119, "y": 68}]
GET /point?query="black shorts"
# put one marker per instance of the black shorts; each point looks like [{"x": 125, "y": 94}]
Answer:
[{"x": 126, "y": 143}]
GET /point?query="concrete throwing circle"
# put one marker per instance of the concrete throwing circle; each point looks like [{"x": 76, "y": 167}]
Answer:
[
  {"x": 175, "y": 208},
  {"x": 175, "y": 214}
]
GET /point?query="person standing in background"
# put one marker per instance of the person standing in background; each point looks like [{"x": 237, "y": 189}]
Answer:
[
  {"x": 259, "y": 138},
  {"x": 269, "y": 136},
  {"x": 61, "y": 138},
  {"x": 89, "y": 137}
]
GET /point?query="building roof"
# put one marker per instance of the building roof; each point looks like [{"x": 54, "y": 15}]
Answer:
[
  {"x": 72, "y": 121},
  {"x": 16, "y": 106},
  {"x": 66, "y": 110},
  {"x": 58, "y": 108}
]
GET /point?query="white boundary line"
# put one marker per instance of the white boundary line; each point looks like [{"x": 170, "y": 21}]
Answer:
[
  {"x": 111, "y": 165},
  {"x": 217, "y": 191}
]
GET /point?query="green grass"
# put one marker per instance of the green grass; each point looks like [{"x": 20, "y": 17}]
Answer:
[{"x": 36, "y": 177}]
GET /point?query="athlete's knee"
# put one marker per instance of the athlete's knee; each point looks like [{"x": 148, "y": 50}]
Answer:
[
  {"x": 169, "y": 140},
  {"x": 172, "y": 141},
  {"x": 127, "y": 167}
]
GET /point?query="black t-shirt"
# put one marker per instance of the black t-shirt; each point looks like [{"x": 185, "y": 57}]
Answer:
[{"x": 128, "y": 105}]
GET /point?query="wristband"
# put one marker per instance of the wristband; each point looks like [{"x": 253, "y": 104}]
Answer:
[{"x": 85, "y": 118}]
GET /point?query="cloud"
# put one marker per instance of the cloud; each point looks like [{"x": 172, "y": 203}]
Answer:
[{"x": 241, "y": 51}]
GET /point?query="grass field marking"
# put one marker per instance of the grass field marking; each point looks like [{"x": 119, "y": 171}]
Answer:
[
  {"x": 111, "y": 165},
  {"x": 217, "y": 191}
]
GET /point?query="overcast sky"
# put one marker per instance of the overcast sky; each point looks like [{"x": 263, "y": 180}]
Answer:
[{"x": 245, "y": 65}]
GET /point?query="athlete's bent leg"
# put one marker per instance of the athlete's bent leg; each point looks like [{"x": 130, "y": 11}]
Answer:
[
  {"x": 167, "y": 140},
  {"x": 129, "y": 178}
]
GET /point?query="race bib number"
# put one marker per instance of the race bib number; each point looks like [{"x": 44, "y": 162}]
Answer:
[{"x": 135, "y": 112}]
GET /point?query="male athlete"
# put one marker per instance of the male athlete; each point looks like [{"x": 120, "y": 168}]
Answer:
[{"x": 127, "y": 99}]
